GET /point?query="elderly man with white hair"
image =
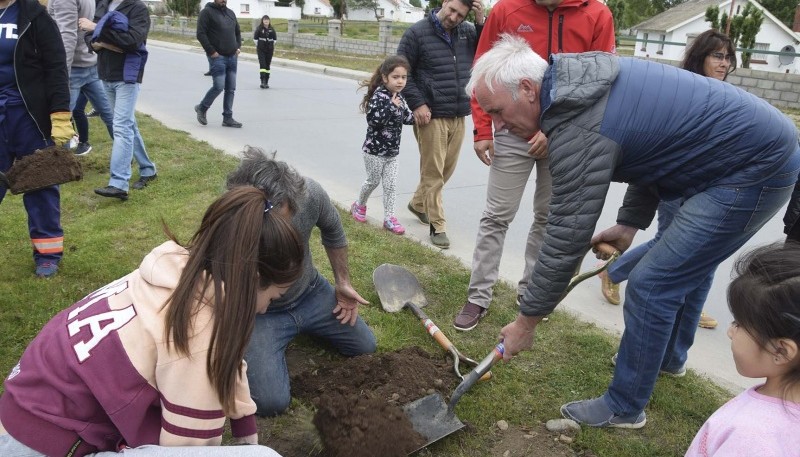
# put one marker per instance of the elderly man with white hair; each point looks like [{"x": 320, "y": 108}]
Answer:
[{"x": 669, "y": 134}]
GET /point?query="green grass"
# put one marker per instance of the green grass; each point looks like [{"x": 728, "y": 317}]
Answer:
[{"x": 105, "y": 239}]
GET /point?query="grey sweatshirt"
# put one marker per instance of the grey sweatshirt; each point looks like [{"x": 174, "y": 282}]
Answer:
[{"x": 66, "y": 14}]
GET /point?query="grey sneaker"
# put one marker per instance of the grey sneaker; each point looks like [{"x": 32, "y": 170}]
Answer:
[
  {"x": 595, "y": 413},
  {"x": 231, "y": 122},
  {"x": 422, "y": 217},
  {"x": 440, "y": 239},
  {"x": 679, "y": 373},
  {"x": 83, "y": 149},
  {"x": 201, "y": 115}
]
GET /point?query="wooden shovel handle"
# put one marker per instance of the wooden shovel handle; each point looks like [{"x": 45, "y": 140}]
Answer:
[{"x": 604, "y": 250}]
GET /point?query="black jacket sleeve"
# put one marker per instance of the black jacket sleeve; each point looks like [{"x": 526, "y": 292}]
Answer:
[{"x": 409, "y": 48}]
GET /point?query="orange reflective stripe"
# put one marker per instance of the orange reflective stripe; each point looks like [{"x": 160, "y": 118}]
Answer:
[{"x": 48, "y": 245}]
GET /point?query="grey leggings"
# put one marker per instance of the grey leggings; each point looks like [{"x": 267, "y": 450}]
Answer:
[
  {"x": 11, "y": 447},
  {"x": 385, "y": 169}
]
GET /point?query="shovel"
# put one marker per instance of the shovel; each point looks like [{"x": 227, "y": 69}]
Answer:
[{"x": 398, "y": 288}]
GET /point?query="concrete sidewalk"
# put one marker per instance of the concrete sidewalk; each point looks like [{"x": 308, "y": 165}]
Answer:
[{"x": 310, "y": 116}]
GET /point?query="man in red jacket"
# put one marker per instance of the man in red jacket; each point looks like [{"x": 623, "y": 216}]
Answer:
[{"x": 550, "y": 26}]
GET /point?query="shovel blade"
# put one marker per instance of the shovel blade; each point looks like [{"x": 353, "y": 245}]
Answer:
[
  {"x": 431, "y": 418},
  {"x": 397, "y": 286}
]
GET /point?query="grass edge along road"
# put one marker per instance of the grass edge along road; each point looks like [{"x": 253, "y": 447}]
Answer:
[{"x": 105, "y": 239}]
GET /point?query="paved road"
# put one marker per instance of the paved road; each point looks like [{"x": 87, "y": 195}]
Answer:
[{"x": 312, "y": 120}]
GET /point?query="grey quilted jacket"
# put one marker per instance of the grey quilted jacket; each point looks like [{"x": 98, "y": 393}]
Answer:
[{"x": 666, "y": 132}]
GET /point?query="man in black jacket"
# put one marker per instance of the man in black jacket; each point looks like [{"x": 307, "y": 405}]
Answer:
[
  {"x": 440, "y": 49},
  {"x": 34, "y": 105},
  {"x": 218, "y": 32}
]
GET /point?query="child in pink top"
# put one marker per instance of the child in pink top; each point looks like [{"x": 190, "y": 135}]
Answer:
[{"x": 763, "y": 421}]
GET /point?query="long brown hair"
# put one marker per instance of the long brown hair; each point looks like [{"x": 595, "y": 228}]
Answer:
[
  {"x": 388, "y": 66},
  {"x": 704, "y": 44},
  {"x": 243, "y": 245}
]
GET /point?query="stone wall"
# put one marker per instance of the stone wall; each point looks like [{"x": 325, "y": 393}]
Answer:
[{"x": 781, "y": 90}]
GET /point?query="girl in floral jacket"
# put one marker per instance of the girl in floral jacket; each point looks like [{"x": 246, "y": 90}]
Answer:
[{"x": 386, "y": 111}]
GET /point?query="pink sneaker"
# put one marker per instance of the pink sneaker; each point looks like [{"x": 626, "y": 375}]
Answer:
[
  {"x": 359, "y": 212},
  {"x": 393, "y": 226}
]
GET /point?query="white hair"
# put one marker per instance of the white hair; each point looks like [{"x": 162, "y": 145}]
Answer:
[{"x": 509, "y": 61}]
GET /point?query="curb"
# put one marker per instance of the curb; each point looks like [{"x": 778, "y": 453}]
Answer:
[{"x": 285, "y": 63}]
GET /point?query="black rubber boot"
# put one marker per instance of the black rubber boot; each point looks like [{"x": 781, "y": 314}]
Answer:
[
  {"x": 266, "y": 80},
  {"x": 263, "y": 81}
]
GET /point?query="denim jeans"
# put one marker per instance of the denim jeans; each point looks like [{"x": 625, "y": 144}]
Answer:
[
  {"x": 128, "y": 143},
  {"x": 311, "y": 314},
  {"x": 85, "y": 80},
  {"x": 708, "y": 228},
  {"x": 685, "y": 327},
  {"x": 223, "y": 73}
]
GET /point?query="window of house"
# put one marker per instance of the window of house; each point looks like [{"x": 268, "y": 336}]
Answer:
[
  {"x": 758, "y": 57},
  {"x": 644, "y": 43},
  {"x": 317, "y": 11},
  {"x": 661, "y": 45},
  {"x": 245, "y": 8},
  {"x": 380, "y": 12}
]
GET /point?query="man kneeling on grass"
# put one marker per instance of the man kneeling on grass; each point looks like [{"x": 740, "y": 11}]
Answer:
[{"x": 312, "y": 305}]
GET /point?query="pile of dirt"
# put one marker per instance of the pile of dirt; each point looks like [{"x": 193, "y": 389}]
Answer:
[
  {"x": 359, "y": 400},
  {"x": 46, "y": 167}
]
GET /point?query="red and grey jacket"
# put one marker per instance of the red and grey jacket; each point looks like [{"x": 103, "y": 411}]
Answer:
[{"x": 574, "y": 26}]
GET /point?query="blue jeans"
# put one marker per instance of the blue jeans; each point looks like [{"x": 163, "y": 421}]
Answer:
[
  {"x": 311, "y": 314},
  {"x": 223, "y": 73},
  {"x": 128, "y": 143},
  {"x": 685, "y": 327},
  {"x": 708, "y": 228},
  {"x": 85, "y": 80}
]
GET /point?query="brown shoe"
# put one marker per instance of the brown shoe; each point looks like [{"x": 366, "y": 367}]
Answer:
[
  {"x": 707, "y": 321},
  {"x": 610, "y": 290},
  {"x": 469, "y": 316}
]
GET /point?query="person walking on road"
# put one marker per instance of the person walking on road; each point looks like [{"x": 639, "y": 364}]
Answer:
[
  {"x": 119, "y": 34},
  {"x": 265, "y": 38},
  {"x": 549, "y": 26},
  {"x": 440, "y": 49},
  {"x": 219, "y": 34},
  {"x": 386, "y": 111},
  {"x": 606, "y": 120}
]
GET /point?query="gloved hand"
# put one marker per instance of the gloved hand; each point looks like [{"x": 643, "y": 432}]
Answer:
[{"x": 62, "y": 130}]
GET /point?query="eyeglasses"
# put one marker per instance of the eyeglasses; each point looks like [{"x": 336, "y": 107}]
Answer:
[{"x": 719, "y": 57}]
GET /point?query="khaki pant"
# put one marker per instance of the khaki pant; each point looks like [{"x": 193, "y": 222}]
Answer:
[
  {"x": 439, "y": 146},
  {"x": 509, "y": 174}
]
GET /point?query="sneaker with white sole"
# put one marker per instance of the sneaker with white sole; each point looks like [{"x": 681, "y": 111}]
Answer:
[
  {"x": 83, "y": 149},
  {"x": 359, "y": 212},
  {"x": 393, "y": 226},
  {"x": 595, "y": 413}
]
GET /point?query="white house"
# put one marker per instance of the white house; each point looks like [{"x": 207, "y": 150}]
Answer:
[
  {"x": 682, "y": 23},
  {"x": 319, "y": 8},
  {"x": 396, "y": 10},
  {"x": 256, "y": 8}
]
